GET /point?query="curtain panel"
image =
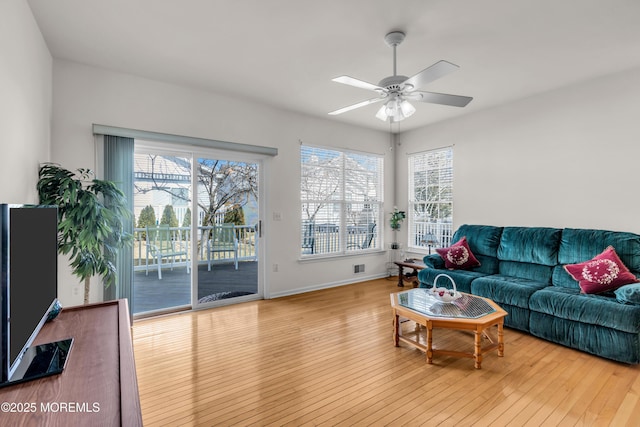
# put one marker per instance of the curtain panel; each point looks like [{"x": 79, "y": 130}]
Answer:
[{"x": 118, "y": 167}]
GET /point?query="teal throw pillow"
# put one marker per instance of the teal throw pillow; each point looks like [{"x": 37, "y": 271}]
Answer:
[{"x": 628, "y": 294}]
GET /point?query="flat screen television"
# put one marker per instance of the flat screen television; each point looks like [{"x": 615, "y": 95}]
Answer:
[{"x": 28, "y": 292}]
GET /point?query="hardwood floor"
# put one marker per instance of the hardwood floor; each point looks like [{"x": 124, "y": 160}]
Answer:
[{"x": 327, "y": 358}]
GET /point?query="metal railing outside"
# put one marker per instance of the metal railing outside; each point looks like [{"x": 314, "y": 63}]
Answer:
[
  {"x": 181, "y": 239},
  {"x": 325, "y": 238},
  {"x": 442, "y": 231}
]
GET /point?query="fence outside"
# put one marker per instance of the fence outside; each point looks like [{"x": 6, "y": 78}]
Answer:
[
  {"x": 442, "y": 231},
  {"x": 180, "y": 239},
  {"x": 326, "y": 238}
]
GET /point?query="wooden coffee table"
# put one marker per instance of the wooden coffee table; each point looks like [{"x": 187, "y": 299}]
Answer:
[{"x": 468, "y": 313}]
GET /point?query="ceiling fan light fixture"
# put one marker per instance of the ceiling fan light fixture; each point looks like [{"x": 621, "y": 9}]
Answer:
[
  {"x": 407, "y": 109},
  {"x": 392, "y": 107},
  {"x": 398, "y": 117},
  {"x": 395, "y": 109},
  {"x": 382, "y": 113}
]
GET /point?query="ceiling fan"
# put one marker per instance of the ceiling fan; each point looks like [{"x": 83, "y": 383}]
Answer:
[{"x": 397, "y": 90}]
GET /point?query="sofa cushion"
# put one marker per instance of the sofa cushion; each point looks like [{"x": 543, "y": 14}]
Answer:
[
  {"x": 525, "y": 270},
  {"x": 602, "y": 273},
  {"x": 578, "y": 245},
  {"x": 628, "y": 294},
  {"x": 562, "y": 279},
  {"x": 463, "y": 278},
  {"x": 601, "y": 341},
  {"x": 488, "y": 265},
  {"x": 482, "y": 239},
  {"x": 536, "y": 245},
  {"x": 510, "y": 290},
  {"x": 517, "y": 317},
  {"x": 602, "y": 310},
  {"x": 433, "y": 261},
  {"x": 458, "y": 256}
]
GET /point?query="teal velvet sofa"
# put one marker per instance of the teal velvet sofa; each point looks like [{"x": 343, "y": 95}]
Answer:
[{"x": 522, "y": 269}]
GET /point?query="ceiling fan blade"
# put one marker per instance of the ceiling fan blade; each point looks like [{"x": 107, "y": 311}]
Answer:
[
  {"x": 429, "y": 74},
  {"x": 440, "y": 98},
  {"x": 356, "y": 83},
  {"x": 358, "y": 105}
]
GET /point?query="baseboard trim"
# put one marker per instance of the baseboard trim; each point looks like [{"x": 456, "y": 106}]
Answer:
[{"x": 326, "y": 285}]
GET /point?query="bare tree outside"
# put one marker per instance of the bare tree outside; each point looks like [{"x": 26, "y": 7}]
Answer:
[
  {"x": 226, "y": 185},
  {"x": 320, "y": 183},
  {"x": 156, "y": 173},
  {"x": 432, "y": 189},
  {"x": 222, "y": 184}
]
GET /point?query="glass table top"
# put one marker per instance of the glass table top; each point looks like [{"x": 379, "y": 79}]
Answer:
[{"x": 465, "y": 307}]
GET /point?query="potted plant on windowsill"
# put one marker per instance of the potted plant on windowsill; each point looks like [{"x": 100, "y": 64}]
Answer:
[{"x": 91, "y": 214}]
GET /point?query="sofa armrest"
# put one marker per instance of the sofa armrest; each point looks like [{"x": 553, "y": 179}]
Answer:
[{"x": 433, "y": 261}]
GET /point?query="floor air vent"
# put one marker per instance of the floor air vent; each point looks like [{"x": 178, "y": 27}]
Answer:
[{"x": 358, "y": 268}]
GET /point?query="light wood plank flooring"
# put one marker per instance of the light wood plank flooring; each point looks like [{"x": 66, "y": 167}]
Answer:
[{"x": 327, "y": 358}]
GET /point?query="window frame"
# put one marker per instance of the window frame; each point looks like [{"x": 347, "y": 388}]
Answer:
[
  {"x": 344, "y": 201},
  {"x": 418, "y": 229}
]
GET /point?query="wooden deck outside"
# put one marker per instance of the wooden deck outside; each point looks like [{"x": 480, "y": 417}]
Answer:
[{"x": 174, "y": 289}]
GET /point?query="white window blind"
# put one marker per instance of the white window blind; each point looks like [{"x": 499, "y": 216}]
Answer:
[
  {"x": 431, "y": 198},
  {"x": 341, "y": 200}
]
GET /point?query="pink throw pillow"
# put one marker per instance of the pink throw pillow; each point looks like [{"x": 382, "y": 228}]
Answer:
[
  {"x": 605, "y": 272},
  {"x": 458, "y": 256}
]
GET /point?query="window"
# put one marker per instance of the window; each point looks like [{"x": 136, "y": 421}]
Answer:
[
  {"x": 430, "y": 198},
  {"x": 341, "y": 199}
]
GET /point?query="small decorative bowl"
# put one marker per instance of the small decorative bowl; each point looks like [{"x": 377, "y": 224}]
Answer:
[{"x": 444, "y": 294}]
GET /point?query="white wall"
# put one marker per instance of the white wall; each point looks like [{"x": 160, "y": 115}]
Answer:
[
  {"x": 85, "y": 95},
  {"x": 567, "y": 158},
  {"x": 25, "y": 102}
]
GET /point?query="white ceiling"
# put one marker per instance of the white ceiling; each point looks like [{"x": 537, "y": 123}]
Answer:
[{"x": 285, "y": 52}]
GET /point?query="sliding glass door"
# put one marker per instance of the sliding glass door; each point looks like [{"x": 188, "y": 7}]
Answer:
[
  {"x": 228, "y": 232},
  {"x": 196, "y": 231}
]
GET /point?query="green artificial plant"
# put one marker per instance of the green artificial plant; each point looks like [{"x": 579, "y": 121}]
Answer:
[
  {"x": 396, "y": 218},
  {"x": 91, "y": 215}
]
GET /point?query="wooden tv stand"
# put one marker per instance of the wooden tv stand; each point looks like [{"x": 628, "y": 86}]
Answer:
[{"x": 98, "y": 386}]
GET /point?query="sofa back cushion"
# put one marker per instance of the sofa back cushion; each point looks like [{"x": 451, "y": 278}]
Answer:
[
  {"x": 535, "y": 245},
  {"x": 563, "y": 279},
  {"x": 526, "y": 270},
  {"x": 579, "y": 245},
  {"x": 482, "y": 239},
  {"x": 488, "y": 265}
]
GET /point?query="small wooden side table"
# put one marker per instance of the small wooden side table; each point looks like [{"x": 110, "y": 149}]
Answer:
[{"x": 415, "y": 264}]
